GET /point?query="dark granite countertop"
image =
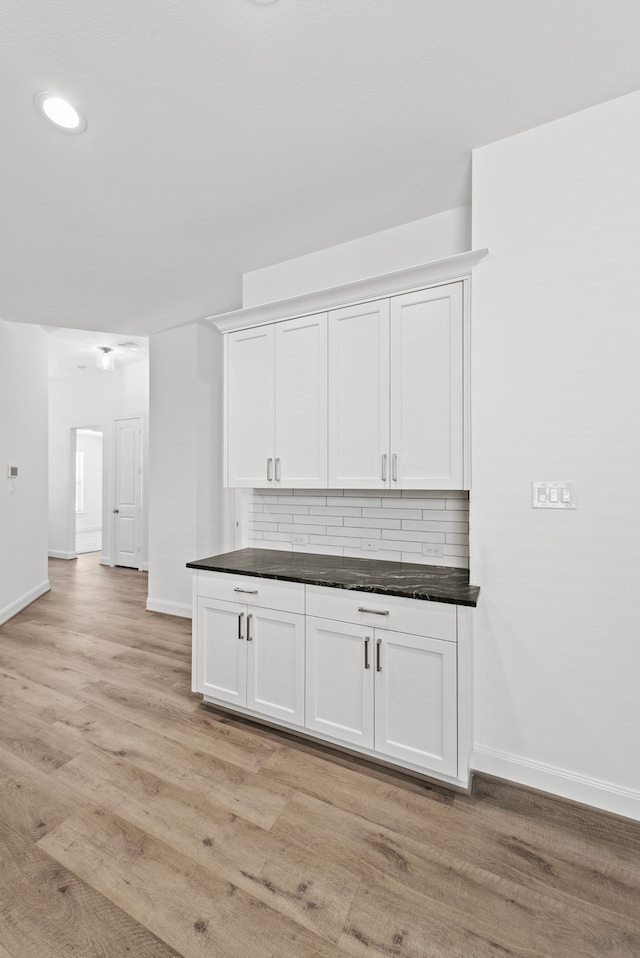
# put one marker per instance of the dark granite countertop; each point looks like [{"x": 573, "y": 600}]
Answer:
[{"x": 407, "y": 579}]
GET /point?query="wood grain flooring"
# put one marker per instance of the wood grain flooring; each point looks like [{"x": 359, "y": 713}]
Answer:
[{"x": 134, "y": 821}]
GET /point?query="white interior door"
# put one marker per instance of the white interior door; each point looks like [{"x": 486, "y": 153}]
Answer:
[{"x": 127, "y": 510}]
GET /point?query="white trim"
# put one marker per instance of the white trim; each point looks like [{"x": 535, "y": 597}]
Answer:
[
  {"x": 169, "y": 608},
  {"x": 558, "y": 781},
  {"x": 59, "y": 554},
  {"x": 401, "y": 281},
  {"x": 10, "y": 610}
]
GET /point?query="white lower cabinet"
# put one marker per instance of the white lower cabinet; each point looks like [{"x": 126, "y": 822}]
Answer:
[
  {"x": 391, "y": 692},
  {"x": 252, "y": 658},
  {"x": 384, "y": 676}
]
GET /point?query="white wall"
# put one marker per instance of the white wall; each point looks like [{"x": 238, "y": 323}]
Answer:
[
  {"x": 23, "y": 443},
  {"x": 185, "y": 456},
  {"x": 90, "y": 445},
  {"x": 411, "y": 244},
  {"x": 92, "y": 398},
  {"x": 556, "y": 394}
]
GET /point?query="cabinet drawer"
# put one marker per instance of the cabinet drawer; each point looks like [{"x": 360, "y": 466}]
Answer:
[
  {"x": 416, "y": 616},
  {"x": 252, "y": 590}
]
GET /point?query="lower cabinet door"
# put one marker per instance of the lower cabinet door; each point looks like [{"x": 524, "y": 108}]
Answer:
[
  {"x": 416, "y": 700},
  {"x": 275, "y": 664},
  {"x": 340, "y": 681},
  {"x": 221, "y": 669}
]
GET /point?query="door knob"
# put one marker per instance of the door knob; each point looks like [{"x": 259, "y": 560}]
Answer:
[{"x": 116, "y": 510}]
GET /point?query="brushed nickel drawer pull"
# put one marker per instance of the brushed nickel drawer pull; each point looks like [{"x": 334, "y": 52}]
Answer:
[
  {"x": 361, "y": 608},
  {"x": 249, "y": 636},
  {"x": 246, "y": 591},
  {"x": 378, "y": 662},
  {"x": 240, "y": 618},
  {"x": 367, "y": 664}
]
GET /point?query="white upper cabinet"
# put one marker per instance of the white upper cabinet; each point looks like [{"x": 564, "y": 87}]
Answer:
[
  {"x": 369, "y": 395},
  {"x": 396, "y": 400},
  {"x": 300, "y": 449},
  {"x": 427, "y": 399},
  {"x": 250, "y": 405},
  {"x": 359, "y": 396},
  {"x": 276, "y": 416}
]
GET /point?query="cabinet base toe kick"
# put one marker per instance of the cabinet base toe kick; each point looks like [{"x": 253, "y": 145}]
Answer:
[{"x": 461, "y": 784}]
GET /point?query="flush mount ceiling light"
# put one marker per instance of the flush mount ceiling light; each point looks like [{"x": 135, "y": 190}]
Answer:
[
  {"x": 61, "y": 113},
  {"x": 104, "y": 359}
]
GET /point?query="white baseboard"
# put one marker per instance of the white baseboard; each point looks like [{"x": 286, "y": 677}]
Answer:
[
  {"x": 169, "y": 608},
  {"x": 10, "y": 610},
  {"x": 558, "y": 781},
  {"x": 58, "y": 554}
]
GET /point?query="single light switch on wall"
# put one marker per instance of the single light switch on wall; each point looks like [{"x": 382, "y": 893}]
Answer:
[
  {"x": 554, "y": 495},
  {"x": 12, "y": 472}
]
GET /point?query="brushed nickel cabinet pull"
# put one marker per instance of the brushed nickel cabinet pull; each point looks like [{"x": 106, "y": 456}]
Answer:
[
  {"x": 240, "y": 618},
  {"x": 249, "y": 636},
  {"x": 278, "y": 469},
  {"x": 361, "y": 608},
  {"x": 384, "y": 467},
  {"x": 378, "y": 662},
  {"x": 367, "y": 664},
  {"x": 246, "y": 591},
  {"x": 394, "y": 467},
  {"x": 269, "y": 470}
]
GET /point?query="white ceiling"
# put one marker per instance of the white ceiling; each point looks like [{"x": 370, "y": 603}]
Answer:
[
  {"x": 226, "y": 135},
  {"x": 73, "y": 352}
]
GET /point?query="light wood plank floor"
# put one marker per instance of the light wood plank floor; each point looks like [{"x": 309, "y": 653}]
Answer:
[{"x": 136, "y": 822}]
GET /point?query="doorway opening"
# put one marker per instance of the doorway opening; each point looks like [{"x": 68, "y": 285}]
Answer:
[{"x": 88, "y": 489}]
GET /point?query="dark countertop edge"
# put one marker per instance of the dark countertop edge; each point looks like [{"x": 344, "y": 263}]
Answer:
[{"x": 402, "y": 594}]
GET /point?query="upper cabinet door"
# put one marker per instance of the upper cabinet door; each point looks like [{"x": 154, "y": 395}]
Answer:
[
  {"x": 359, "y": 397},
  {"x": 301, "y": 403},
  {"x": 250, "y": 410},
  {"x": 427, "y": 399}
]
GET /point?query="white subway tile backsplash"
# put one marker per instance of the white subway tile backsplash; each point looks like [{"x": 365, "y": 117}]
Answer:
[
  {"x": 443, "y": 515},
  {"x": 428, "y": 526},
  {"x": 337, "y": 511},
  {"x": 300, "y": 500},
  {"x": 353, "y": 532},
  {"x": 317, "y": 520},
  {"x": 392, "y": 513},
  {"x": 337, "y": 520},
  {"x": 401, "y": 545},
  {"x": 405, "y": 536},
  {"x": 370, "y": 523},
  {"x": 318, "y": 541}
]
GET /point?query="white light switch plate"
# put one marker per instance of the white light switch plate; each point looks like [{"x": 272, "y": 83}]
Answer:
[{"x": 554, "y": 495}]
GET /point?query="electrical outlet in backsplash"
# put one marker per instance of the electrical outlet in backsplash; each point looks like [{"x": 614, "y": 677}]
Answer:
[{"x": 407, "y": 526}]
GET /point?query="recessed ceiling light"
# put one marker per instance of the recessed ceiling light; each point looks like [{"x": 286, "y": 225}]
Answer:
[{"x": 61, "y": 113}]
